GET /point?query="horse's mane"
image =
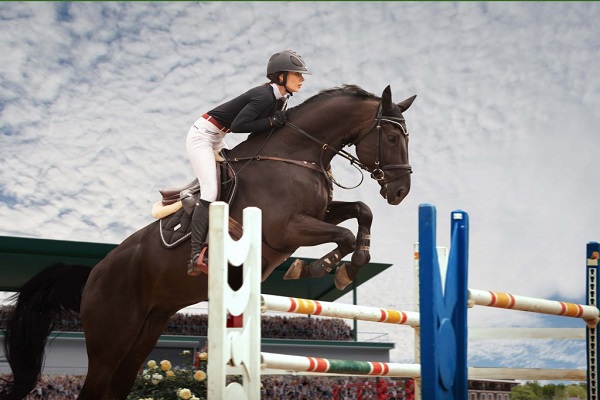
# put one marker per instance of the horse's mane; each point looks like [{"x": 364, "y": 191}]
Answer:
[
  {"x": 344, "y": 90},
  {"x": 326, "y": 94}
]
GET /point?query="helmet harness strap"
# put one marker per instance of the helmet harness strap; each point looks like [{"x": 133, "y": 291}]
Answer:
[{"x": 284, "y": 83}]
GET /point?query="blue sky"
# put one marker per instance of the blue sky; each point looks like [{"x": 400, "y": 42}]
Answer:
[{"x": 96, "y": 99}]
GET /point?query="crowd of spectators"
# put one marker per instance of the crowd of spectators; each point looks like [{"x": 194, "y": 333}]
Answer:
[
  {"x": 290, "y": 387},
  {"x": 63, "y": 387},
  {"x": 279, "y": 387},
  {"x": 51, "y": 387},
  {"x": 272, "y": 327}
]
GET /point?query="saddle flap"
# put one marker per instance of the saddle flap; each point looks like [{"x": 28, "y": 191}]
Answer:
[{"x": 175, "y": 228}]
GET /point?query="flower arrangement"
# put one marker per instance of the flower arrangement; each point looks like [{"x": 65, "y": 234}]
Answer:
[{"x": 160, "y": 381}]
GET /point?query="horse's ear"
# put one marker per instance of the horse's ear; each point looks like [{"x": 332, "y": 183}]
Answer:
[
  {"x": 403, "y": 105},
  {"x": 386, "y": 98}
]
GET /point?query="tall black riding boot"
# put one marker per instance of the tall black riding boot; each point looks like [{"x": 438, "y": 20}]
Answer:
[{"x": 199, "y": 232}]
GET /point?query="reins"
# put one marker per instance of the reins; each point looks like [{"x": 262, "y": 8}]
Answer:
[
  {"x": 377, "y": 173},
  {"x": 355, "y": 162}
]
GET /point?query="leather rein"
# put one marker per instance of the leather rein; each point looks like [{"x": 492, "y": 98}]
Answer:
[{"x": 377, "y": 173}]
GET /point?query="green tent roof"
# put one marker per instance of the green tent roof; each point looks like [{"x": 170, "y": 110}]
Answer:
[{"x": 21, "y": 258}]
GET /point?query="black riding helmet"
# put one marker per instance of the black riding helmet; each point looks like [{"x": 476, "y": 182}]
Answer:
[{"x": 285, "y": 61}]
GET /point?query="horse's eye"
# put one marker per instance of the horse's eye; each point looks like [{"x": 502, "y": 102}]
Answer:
[{"x": 392, "y": 138}]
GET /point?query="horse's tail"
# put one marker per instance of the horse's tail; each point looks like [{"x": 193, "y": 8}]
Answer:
[{"x": 40, "y": 302}]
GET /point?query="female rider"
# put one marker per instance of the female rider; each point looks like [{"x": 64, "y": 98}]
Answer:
[{"x": 258, "y": 109}]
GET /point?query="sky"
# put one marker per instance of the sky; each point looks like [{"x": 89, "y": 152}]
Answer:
[{"x": 96, "y": 99}]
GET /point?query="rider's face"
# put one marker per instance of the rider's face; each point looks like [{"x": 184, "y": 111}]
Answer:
[{"x": 294, "y": 81}]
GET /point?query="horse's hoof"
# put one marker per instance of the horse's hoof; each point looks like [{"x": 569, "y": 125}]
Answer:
[
  {"x": 341, "y": 277},
  {"x": 361, "y": 258},
  {"x": 295, "y": 270}
]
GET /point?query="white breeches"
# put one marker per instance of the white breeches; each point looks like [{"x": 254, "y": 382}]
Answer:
[{"x": 202, "y": 139}]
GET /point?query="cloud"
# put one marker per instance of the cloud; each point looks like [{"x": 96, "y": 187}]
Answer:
[{"x": 96, "y": 100}]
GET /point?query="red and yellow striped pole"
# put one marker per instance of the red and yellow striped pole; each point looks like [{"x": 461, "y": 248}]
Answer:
[
  {"x": 349, "y": 311},
  {"x": 510, "y": 301}
]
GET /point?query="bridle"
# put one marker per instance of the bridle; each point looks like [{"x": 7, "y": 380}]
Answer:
[{"x": 377, "y": 173}]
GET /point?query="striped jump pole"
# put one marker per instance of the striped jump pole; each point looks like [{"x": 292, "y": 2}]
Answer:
[
  {"x": 348, "y": 311},
  {"x": 589, "y": 314},
  {"x": 338, "y": 367}
]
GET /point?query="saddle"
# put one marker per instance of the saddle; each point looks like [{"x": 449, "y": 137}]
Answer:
[{"x": 176, "y": 206}]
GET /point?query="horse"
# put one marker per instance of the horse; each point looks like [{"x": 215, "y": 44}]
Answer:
[{"x": 127, "y": 299}]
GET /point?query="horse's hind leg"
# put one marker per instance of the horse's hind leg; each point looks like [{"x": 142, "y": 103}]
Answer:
[
  {"x": 99, "y": 374},
  {"x": 111, "y": 325},
  {"x": 115, "y": 360},
  {"x": 125, "y": 375},
  {"x": 105, "y": 352}
]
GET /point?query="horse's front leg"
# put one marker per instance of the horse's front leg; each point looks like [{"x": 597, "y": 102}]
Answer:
[
  {"x": 342, "y": 211},
  {"x": 306, "y": 231},
  {"x": 339, "y": 212}
]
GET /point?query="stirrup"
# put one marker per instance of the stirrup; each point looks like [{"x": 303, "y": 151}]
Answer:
[{"x": 199, "y": 263}]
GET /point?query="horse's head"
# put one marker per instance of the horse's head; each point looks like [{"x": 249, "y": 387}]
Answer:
[{"x": 384, "y": 148}]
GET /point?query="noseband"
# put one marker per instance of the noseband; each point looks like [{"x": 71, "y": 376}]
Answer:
[{"x": 377, "y": 173}]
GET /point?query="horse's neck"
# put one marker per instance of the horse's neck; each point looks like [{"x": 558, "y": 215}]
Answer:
[
  {"x": 310, "y": 140},
  {"x": 338, "y": 123},
  {"x": 324, "y": 128}
]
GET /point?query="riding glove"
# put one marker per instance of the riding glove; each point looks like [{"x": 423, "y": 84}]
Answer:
[{"x": 278, "y": 118}]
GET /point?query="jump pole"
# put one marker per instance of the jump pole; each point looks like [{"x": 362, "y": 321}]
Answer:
[
  {"x": 339, "y": 367},
  {"x": 542, "y": 306},
  {"x": 327, "y": 309}
]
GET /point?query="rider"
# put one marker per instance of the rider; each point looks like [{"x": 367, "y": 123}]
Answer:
[{"x": 258, "y": 109}]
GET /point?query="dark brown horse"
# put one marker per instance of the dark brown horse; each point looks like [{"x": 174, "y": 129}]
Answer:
[{"x": 130, "y": 295}]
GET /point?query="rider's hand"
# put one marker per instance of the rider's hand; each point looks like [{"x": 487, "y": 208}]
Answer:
[{"x": 278, "y": 118}]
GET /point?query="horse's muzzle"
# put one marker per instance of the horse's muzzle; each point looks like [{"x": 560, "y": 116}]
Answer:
[{"x": 394, "y": 194}]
